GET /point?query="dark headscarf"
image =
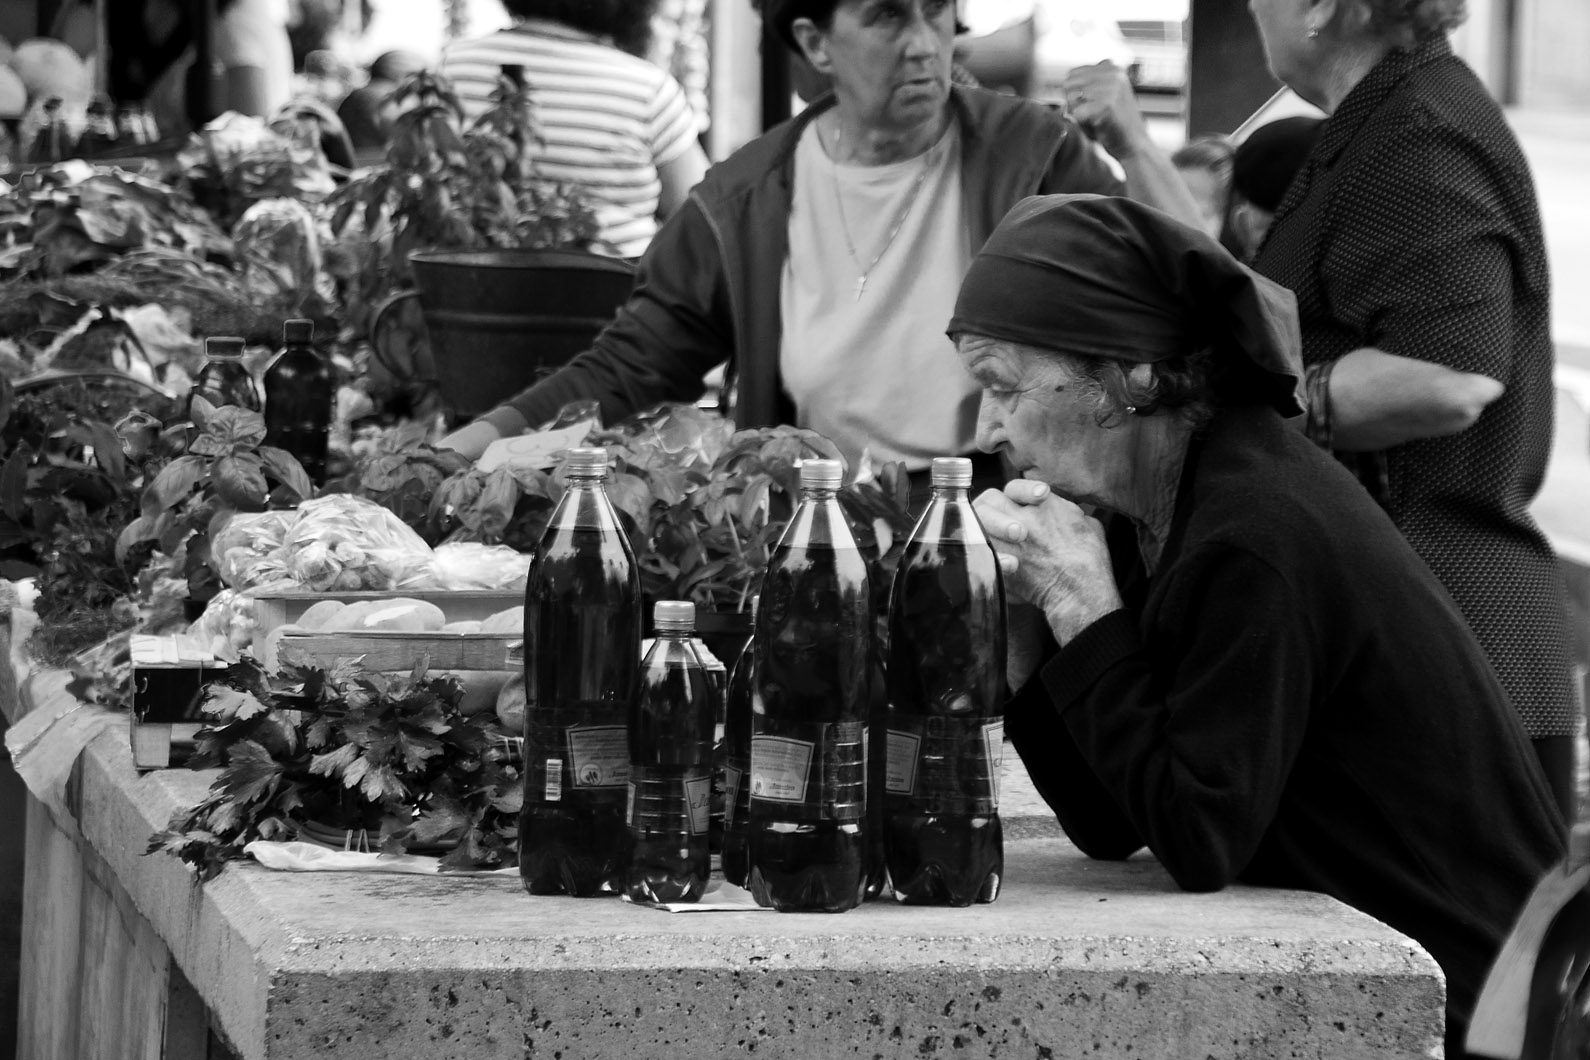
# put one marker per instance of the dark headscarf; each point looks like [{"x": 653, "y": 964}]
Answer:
[{"x": 1110, "y": 277}]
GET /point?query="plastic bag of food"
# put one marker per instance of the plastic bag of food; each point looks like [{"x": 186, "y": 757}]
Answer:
[
  {"x": 246, "y": 548},
  {"x": 472, "y": 565},
  {"x": 342, "y": 543},
  {"x": 228, "y": 621}
]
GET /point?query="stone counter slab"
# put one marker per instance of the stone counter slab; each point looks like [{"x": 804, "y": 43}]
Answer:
[{"x": 1076, "y": 958}]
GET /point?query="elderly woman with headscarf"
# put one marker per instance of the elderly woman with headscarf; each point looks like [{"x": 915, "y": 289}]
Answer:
[
  {"x": 1413, "y": 243},
  {"x": 1245, "y": 668}
]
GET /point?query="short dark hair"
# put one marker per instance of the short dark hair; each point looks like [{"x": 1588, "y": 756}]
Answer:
[
  {"x": 627, "y": 22},
  {"x": 1416, "y": 19},
  {"x": 781, "y": 15}
]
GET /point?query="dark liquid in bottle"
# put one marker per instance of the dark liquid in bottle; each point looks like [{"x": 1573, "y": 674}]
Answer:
[
  {"x": 299, "y": 392},
  {"x": 582, "y": 644},
  {"x": 737, "y": 773},
  {"x": 808, "y": 762},
  {"x": 946, "y": 683},
  {"x": 671, "y": 790}
]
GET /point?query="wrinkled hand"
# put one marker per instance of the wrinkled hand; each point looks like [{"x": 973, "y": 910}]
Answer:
[
  {"x": 1051, "y": 553},
  {"x": 1101, "y": 100}
]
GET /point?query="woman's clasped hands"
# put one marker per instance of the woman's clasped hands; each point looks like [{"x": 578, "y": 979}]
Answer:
[{"x": 1052, "y": 554}]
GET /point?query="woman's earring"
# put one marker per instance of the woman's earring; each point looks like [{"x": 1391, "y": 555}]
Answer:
[
  {"x": 1313, "y": 32},
  {"x": 1131, "y": 410}
]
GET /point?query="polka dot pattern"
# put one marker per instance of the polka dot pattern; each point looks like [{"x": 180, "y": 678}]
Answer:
[{"x": 1413, "y": 228}]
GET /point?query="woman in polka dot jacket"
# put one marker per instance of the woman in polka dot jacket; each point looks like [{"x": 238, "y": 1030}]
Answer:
[{"x": 1413, "y": 242}]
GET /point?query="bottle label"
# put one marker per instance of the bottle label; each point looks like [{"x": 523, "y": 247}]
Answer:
[
  {"x": 902, "y": 759},
  {"x": 946, "y": 764},
  {"x": 779, "y": 768},
  {"x": 994, "y": 748},
  {"x": 819, "y": 779},
  {"x": 553, "y": 792},
  {"x": 698, "y": 797},
  {"x": 732, "y": 778},
  {"x": 598, "y": 755}
]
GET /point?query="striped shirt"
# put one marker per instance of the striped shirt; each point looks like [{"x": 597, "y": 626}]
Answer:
[{"x": 606, "y": 119}]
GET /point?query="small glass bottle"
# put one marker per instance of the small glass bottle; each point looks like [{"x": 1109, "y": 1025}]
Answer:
[
  {"x": 299, "y": 394},
  {"x": 946, "y": 679},
  {"x": 582, "y": 653},
  {"x": 810, "y": 703},
  {"x": 670, "y": 755}
]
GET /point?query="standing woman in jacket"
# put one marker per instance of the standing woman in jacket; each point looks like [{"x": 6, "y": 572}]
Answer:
[
  {"x": 821, "y": 260},
  {"x": 1413, "y": 242}
]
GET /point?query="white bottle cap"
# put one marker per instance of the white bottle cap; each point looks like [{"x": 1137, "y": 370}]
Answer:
[
  {"x": 821, "y": 474},
  {"x": 589, "y": 462},
  {"x": 950, "y": 472},
  {"x": 674, "y": 616}
]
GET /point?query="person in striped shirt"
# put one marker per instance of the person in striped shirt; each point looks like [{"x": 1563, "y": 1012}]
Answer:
[{"x": 610, "y": 123}]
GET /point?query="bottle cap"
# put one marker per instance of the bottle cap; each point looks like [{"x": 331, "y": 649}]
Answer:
[
  {"x": 950, "y": 472},
  {"x": 297, "y": 330},
  {"x": 821, "y": 474},
  {"x": 222, "y": 347},
  {"x": 674, "y": 616},
  {"x": 588, "y": 461}
]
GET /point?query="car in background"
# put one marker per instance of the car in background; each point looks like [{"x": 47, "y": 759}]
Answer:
[{"x": 1156, "y": 30}]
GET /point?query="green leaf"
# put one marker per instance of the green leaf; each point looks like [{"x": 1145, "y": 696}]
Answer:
[
  {"x": 251, "y": 772},
  {"x": 442, "y": 819},
  {"x": 286, "y": 469},
  {"x": 240, "y": 481},
  {"x": 236, "y": 429},
  {"x": 335, "y": 763},
  {"x": 173, "y": 485},
  {"x": 229, "y": 704}
]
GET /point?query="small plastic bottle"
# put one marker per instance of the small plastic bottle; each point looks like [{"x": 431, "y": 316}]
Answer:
[
  {"x": 810, "y": 703},
  {"x": 670, "y": 754},
  {"x": 299, "y": 395},
  {"x": 946, "y": 679},
  {"x": 737, "y": 764},
  {"x": 224, "y": 379},
  {"x": 582, "y": 653}
]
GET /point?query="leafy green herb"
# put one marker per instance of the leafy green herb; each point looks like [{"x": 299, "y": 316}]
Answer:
[{"x": 348, "y": 748}]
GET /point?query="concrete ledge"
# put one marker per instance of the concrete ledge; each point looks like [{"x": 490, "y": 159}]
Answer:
[{"x": 1077, "y": 957}]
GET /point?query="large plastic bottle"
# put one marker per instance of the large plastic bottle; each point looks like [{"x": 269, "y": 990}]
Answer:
[
  {"x": 670, "y": 751},
  {"x": 809, "y": 704},
  {"x": 946, "y": 676},
  {"x": 299, "y": 394},
  {"x": 737, "y": 764},
  {"x": 582, "y": 652},
  {"x": 224, "y": 379}
]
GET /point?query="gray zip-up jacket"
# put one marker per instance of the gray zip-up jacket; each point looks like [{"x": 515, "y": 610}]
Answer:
[{"x": 707, "y": 290}]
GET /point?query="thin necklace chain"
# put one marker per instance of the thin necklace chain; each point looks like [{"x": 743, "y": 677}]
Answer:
[{"x": 899, "y": 220}]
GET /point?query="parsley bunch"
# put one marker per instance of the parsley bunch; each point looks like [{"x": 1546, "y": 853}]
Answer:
[{"x": 351, "y": 748}]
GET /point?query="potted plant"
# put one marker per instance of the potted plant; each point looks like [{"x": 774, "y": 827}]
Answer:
[{"x": 471, "y": 190}]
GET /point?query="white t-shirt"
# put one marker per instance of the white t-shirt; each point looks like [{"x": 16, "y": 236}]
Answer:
[
  {"x": 877, "y": 373},
  {"x": 254, "y": 33},
  {"x": 606, "y": 119}
]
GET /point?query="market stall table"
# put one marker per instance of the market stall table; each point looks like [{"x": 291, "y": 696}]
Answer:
[{"x": 1076, "y": 957}]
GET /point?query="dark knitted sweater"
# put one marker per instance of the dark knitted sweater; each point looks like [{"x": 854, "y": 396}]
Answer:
[{"x": 1292, "y": 700}]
